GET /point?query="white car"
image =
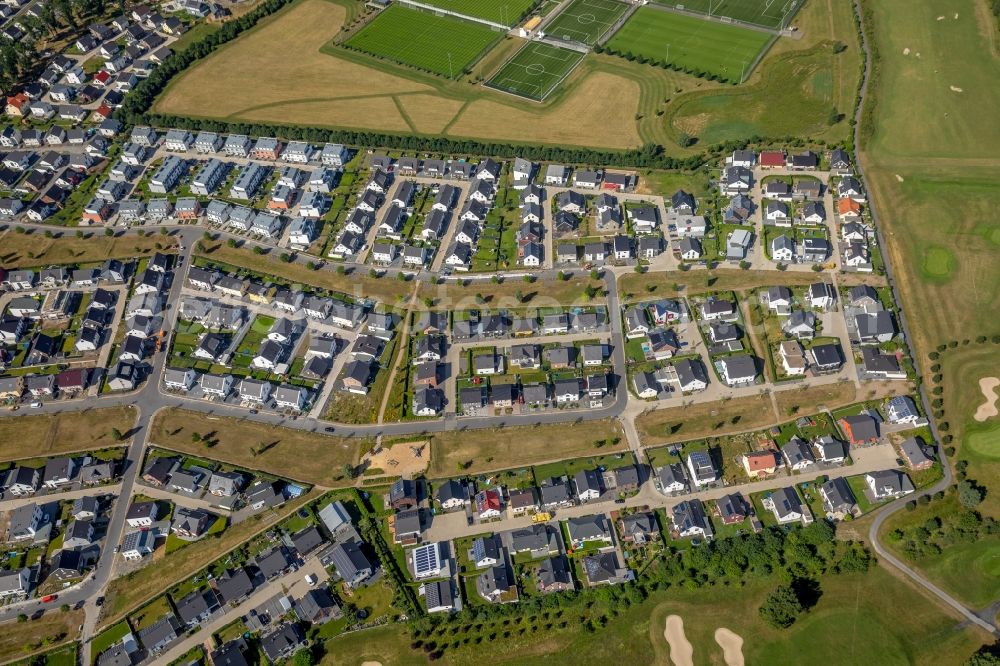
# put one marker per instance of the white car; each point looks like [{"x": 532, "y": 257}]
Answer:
[
  {"x": 35, "y": 405},
  {"x": 311, "y": 579}
]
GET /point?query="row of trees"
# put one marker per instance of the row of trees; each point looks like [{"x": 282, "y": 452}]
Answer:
[{"x": 665, "y": 64}]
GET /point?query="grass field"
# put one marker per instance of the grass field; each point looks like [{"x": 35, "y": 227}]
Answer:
[
  {"x": 295, "y": 454},
  {"x": 19, "y": 250},
  {"x": 22, "y": 638},
  {"x": 48, "y": 435},
  {"x": 944, "y": 248},
  {"x": 767, "y": 13},
  {"x": 535, "y": 71},
  {"x": 969, "y": 570},
  {"x": 439, "y": 44},
  {"x": 766, "y": 105},
  {"x": 502, "y": 448},
  {"x": 694, "y": 44},
  {"x": 614, "y": 103},
  {"x": 678, "y": 424},
  {"x": 504, "y": 12},
  {"x": 857, "y": 618},
  {"x": 585, "y": 21},
  {"x": 659, "y": 284}
]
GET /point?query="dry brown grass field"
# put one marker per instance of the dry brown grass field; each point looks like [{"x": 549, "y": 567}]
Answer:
[
  {"x": 18, "y": 250},
  {"x": 287, "y": 452},
  {"x": 48, "y": 435},
  {"x": 702, "y": 419},
  {"x": 931, "y": 164},
  {"x": 634, "y": 286},
  {"x": 22, "y": 638},
  {"x": 503, "y": 448},
  {"x": 300, "y": 76},
  {"x": 295, "y": 82}
]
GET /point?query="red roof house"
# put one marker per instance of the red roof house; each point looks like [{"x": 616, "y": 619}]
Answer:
[{"x": 772, "y": 159}]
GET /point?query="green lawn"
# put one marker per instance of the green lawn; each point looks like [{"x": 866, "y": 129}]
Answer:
[
  {"x": 441, "y": 45},
  {"x": 107, "y": 638},
  {"x": 963, "y": 561},
  {"x": 535, "y": 71},
  {"x": 693, "y": 44},
  {"x": 857, "y": 618}
]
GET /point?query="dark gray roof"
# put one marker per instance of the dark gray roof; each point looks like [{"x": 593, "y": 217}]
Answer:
[
  {"x": 837, "y": 495},
  {"x": 234, "y": 585}
]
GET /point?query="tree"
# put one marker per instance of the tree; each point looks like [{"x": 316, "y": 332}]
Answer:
[
  {"x": 231, "y": 242},
  {"x": 349, "y": 471},
  {"x": 781, "y": 608},
  {"x": 988, "y": 655},
  {"x": 969, "y": 494},
  {"x": 116, "y": 435}
]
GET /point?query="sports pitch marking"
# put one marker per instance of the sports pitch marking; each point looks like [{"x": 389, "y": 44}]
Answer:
[
  {"x": 586, "y": 21},
  {"x": 535, "y": 71}
]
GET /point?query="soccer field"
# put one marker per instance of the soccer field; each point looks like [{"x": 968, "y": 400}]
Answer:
[
  {"x": 440, "y": 44},
  {"x": 585, "y": 21},
  {"x": 690, "y": 43},
  {"x": 504, "y": 12},
  {"x": 766, "y": 13},
  {"x": 535, "y": 70}
]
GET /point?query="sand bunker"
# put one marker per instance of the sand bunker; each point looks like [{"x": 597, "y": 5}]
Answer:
[
  {"x": 732, "y": 646},
  {"x": 955, "y": 89},
  {"x": 956, "y": 16},
  {"x": 681, "y": 652},
  {"x": 371, "y": 663},
  {"x": 987, "y": 410},
  {"x": 906, "y": 51},
  {"x": 940, "y": 18},
  {"x": 899, "y": 178}
]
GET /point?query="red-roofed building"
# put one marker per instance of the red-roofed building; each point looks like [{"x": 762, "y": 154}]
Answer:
[
  {"x": 772, "y": 159},
  {"x": 102, "y": 77},
  {"x": 488, "y": 504},
  {"x": 848, "y": 208},
  {"x": 103, "y": 111},
  {"x": 72, "y": 381},
  {"x": 759, "y": 463},
  {"x": 17, "y": 105}
]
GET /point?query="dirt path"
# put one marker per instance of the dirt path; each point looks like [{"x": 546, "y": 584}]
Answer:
[
  {"x": 987, "y": 409},
  {"x": 732, "y": 646},
  {"x": 681, "y": 652}
]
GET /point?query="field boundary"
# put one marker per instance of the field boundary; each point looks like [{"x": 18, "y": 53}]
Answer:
[
  {"x": 413, "y": 4},
  {"x": 681, "y": 8}
]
